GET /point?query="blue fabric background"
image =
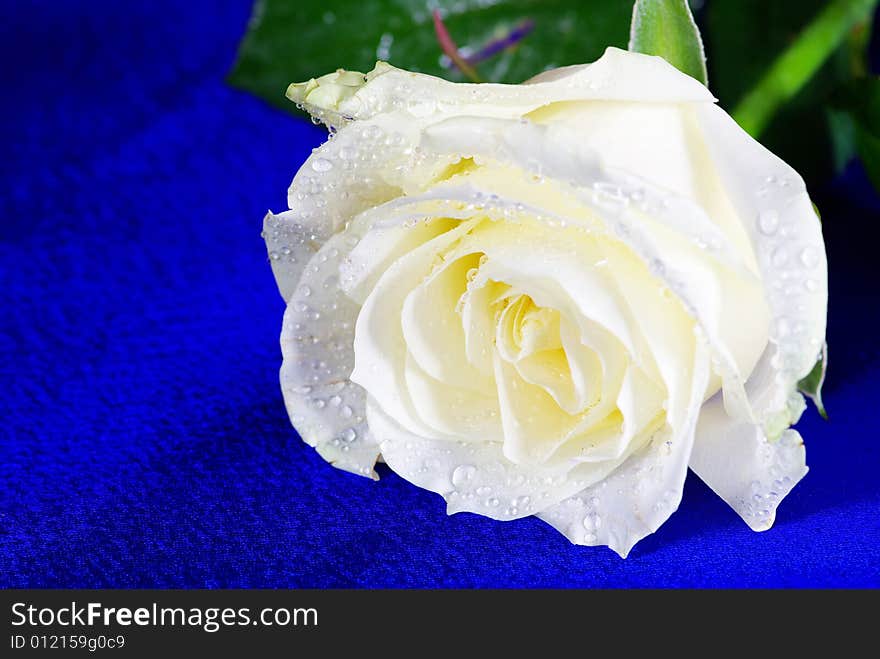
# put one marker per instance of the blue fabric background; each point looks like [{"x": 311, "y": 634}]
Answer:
[{"x": 144, "y": 440}]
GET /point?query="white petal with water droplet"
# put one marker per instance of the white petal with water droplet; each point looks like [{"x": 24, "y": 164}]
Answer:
[
  {"x": 732, "y": 457},
  {"x": 643, "y": 492},
  {"x": 475, "y": 476},
  {"x": 743, "y": 467},
  {"x": 325, "y": 407},
  {"x": 379, "y": 343},
  {"x": 757, "y": 183},
  {"x": 617, "y": 76}
]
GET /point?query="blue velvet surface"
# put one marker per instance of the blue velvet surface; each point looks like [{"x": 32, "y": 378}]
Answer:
[{"x": 144, "y": 441}]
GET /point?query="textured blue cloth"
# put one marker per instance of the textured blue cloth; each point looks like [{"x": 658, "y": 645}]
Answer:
[{"x": 144, "y": 439}]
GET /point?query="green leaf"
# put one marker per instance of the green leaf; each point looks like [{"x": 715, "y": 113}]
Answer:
[
  {"x": 294, "y": 40},
  {"x": 858, "y": 105},
  {"x": 799, "y": 132},
  {"x": 869, "y": 151},
  {"x": 667, "y": 28},
  {"x": 843, "y": 138},
  {"x": 800, "y": 61},
  {"x": 811, "y": 385}
]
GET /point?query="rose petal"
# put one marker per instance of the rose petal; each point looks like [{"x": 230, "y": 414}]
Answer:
[
  {"x": 325, "y": 407},
  {"x": 432, "y": 329},
  {"x": 290, "y": 248},
  {"x": 616, "y": 76},
  {"x": 475, "y": 476},
  {"x": 383, "y": 244},
  {"x": 786, "y": 235},
  {"x": 587, "y": 368},
  {"x": 643, "y": 492},
  {"x": 380, "y": 346},
  {"x": 533, "y": 422},
  {"x": 529, "y": 338},
  {"x": 736, "y": 459},
  {"x": 749, "y": 472},
  {"x": 456, "y": 412},
  {"x": 478, "y": 323}
]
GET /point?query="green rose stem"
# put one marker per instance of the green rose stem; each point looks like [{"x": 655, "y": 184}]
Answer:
[{"x": 797, "y": 64}]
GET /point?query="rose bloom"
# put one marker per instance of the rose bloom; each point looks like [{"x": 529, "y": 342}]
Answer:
[{"x": 551, "y": 298}]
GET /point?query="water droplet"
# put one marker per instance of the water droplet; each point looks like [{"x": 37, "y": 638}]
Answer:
[
  {"x": 657, "y": 267},
  {"x": 783, "y": 327},
  {"x": 421, "y": 107},
  {"x": 346, "y": 411},
  {"x": 592, "y": 522},
  {"x": 780, "y": 257},
  {"x": 493, "y": 502},
  {"x": 811, "y": 285},
  {"x": 768, "y": 222},
  {"x": 809, "y": 257},
  {"x": 372, "y": 132},
  {"x": 463, "y": 475},
  {"x": 322, "y": 165},
  {"x": 349, "y": 435}
]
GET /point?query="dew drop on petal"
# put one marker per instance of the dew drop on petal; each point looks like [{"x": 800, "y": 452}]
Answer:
[
  {"x": 768, "y": 222},
  {"x": 809, "y": 257},
  {"x": 463, "y": 475},
  {"x": 322, "y": 165},
  {"x": 780, "y": 257},
  {"x": 592, "y": 522},
  {"x": 372, "y": 132}
]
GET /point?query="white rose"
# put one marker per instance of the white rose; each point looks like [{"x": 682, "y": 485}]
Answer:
[{"x": 550, "y": 298}]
